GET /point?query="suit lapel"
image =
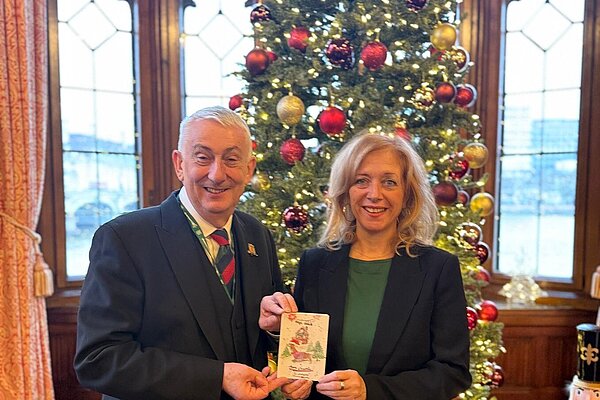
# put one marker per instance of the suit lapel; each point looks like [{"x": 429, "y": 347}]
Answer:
[
  {"x": 405, "y": 281},
  {"x": 192, "y": 270},
  {"x": 333, "y": 284},
  {"x": 250, "y": 281}
]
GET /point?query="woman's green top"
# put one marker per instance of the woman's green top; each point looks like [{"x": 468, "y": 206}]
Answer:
[{"x": 366, "y": 285}]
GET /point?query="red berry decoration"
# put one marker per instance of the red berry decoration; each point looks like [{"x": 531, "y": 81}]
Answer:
[
  {"x": 445, "y": 193},
  {"x": 465, "y": 95},
  {"x": 254, "y": 145},
  {"x": 295, "y": 219},
  {"x": 260, "y": 13},
  {"x": 292, "y": 150},
  {"x": 339, "y": 52},
  {"x": 373, "y": 55},
  {"x": 482, "y": 274},
  {"x": 416, "y": 5},
  {"x": 445, "y": 92},
  {"x": 471, "y": 318},
  {"x": 487, "y": 311},
  {"x": 299, "y": 38},
  {"x": 482, "y": 252},
  {"x": 235, "y": 102},
  {"x": 463, "y": 197},
  {"x": 332, "y": 121},
  {"x": 257, "y": 61}
]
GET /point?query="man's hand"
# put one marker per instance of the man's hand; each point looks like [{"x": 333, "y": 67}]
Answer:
[
  {"x": 244, "y": 383},
  {"x": 274, "y": 381},
  {"x": 271, "y": 308}
]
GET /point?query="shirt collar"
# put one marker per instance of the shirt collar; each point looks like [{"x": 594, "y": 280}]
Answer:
[{"x": 206, "y": 227}]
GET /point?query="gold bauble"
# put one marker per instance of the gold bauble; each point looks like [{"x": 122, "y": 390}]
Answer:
[
  {"x": 482, "y": 203},
  {"x": 443, "y": 36},
  {"x": 476, "y": 154},
  {"x": 290, "y": 109},
  {"x": 260, "y": 182}
]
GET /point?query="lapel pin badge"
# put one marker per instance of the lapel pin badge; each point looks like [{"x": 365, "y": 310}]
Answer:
[{"x": 252, "y": 250}]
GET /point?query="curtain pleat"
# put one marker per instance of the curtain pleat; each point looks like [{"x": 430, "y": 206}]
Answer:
[{"x": 24, "y": 347}]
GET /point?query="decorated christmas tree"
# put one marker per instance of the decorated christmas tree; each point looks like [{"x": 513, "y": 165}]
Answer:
[{"x": 321, "y": 72}]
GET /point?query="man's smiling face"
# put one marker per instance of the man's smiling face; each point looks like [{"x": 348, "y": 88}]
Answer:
[{"x": 214, "y": 164}]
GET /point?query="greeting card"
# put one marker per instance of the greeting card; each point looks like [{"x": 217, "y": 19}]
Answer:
[{"x": 303, "y": 346}]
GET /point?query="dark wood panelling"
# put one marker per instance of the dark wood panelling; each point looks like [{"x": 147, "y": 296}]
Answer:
[
  {"x": 62, "y": 326},
  {"x": 541, "y": 352}
]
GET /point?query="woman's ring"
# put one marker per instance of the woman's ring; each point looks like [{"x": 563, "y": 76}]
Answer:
[{"x": 342, "y": 385}]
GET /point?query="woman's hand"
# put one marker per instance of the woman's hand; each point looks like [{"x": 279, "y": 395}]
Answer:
[
  {"x": 297, "y": 390},
  {"x": 344, "y": 385}
]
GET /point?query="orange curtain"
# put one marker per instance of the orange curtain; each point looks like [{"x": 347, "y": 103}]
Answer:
[{"x": 24, "y": 277}]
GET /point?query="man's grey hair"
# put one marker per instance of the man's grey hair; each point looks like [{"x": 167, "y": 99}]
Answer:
[{"x": 220, "y": 114}]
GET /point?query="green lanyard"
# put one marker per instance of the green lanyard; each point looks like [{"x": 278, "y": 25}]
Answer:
[{"x": 198, "y": 232}]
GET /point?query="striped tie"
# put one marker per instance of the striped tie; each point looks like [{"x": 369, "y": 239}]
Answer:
[{"x": 225, "y": 261}]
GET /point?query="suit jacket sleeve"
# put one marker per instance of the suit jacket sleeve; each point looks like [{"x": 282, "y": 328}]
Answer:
[{"x": 109, "y": 358}]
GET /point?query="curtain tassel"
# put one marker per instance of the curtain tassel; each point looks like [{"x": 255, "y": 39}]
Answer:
[{"x": 43, "y": 278}]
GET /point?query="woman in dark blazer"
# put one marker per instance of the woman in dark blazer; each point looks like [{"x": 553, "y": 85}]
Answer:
[{"x": 398, "y": 327}]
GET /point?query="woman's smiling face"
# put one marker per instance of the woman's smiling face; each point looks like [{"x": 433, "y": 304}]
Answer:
[{"x": 377, "y": 194}]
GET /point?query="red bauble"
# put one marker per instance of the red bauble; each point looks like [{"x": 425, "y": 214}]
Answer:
[
  {"x": 463, "y": 197},
  {"x": 459, "y": 168},
  {"x": 254, "y": 145},
  {"x": 299, "y": 38},
  {"x": 445, "y": 92},
  {"x": 403, "y": 133},
  {"x": 235, "y": 102},
  {"x": 260, "y": 13},
  {"x": 272, "y": 56},
  {"x": 339, "y": 52},
  {"x": 332, "y": 121},
  {"x": 445, "y": 193},
  {"x": 497, "y": 378},
  {"x": 295, "y": 219},
  {"x": 470, "y": 232},
  {"x": 482, "y": 274},
  {"x": 257, "y": 61},
  {"x": 482, "y": 252},
  {"x": 416, "y": 5},
  {"x": 292, "y": 150},
  {"x": 373, "y": 55},
  {"x": 460, "y": 56},
  {"x": 471, "y": 318},
  {"x": 465, "y": 95},
  {"x": 487, "y": 310}
]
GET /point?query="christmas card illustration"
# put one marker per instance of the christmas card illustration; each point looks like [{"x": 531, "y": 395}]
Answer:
[{"x": 302, "y": 346}]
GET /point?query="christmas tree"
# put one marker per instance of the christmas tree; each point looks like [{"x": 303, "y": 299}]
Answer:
[{"x": 321, "y": 72}]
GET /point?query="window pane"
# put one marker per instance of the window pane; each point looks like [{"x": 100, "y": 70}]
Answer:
[
  {"x": 208, "y": 63},
  {"x": 100, "y": 160},
  {"x": 538, "y": 164}
]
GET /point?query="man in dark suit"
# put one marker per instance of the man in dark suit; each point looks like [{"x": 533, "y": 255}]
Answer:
[{"x": 170, "y": 305}]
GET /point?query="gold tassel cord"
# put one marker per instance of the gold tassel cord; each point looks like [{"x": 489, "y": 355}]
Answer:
[{"x": 43, "y": 279}]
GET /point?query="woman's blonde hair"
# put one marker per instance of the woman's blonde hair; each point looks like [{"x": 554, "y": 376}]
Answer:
[{"x": 417, "y": 222}]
